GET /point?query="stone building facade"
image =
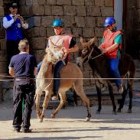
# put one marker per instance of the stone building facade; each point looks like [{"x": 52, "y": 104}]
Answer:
[
  {"x": 2, "y": 41},
  {"x": 84, "y": 17}
]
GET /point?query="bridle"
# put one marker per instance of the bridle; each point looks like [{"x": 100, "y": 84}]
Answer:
[
  {"x": 56, "y": 54},
  {"x": 55, "y": 44},
  {"x": 97, "y": 56},
  {"x": 88, "y": 56}
]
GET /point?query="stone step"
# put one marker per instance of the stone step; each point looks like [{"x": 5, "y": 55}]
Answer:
[{"x": 137, "y": 63}]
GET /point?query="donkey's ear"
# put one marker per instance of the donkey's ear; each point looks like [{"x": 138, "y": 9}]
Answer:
[
  {"x": 92, "y": 41},
  {"x": 81, "y": 40},
  {"x": 46, "y": 50}
]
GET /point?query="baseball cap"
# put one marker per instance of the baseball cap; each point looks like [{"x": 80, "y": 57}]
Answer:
[{"x": 14, "y": 5}]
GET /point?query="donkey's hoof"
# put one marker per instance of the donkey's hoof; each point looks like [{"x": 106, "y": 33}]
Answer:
[
  {"x": 87, "y": 119},
  {"x": 91, "y": 104},
  {"x": 52, "y": 116},
  {"x": 129, "y": 111},
  {"x": 98, "y": 111},
  {"x": 41, "y": 118},
  {"x": 119, "y": 110},
  {"x": 114, "y": 112}
]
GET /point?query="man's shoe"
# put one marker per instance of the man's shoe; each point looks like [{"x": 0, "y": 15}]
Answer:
[
  {"x": 120, "y": 89},
  {"x": 27, "y": 130}
]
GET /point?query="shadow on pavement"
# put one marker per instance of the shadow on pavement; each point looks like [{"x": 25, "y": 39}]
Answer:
[{"x": 55, "y": 138}]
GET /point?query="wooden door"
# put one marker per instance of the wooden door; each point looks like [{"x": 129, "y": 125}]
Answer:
[{"x": 131, "y": 39}]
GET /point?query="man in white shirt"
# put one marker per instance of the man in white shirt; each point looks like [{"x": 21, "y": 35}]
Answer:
[{"x": 13, "y": 24}]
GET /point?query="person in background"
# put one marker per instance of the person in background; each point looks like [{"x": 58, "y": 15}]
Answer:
[
  {"x": 69, "y": 45},
  {"x": 23, "y": 68},
  {"x": 14, "y": 25},
  {"x": 111, "y": 46}
]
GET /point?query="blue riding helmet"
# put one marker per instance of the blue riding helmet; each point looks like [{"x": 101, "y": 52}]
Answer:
[
  {"x": 57, "y": 23},
  {"x": 109, "y": 21}
]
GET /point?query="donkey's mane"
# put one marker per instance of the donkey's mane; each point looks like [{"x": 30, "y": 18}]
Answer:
[{"x": 99, "y": 64}]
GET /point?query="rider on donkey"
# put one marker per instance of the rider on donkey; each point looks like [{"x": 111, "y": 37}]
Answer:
[
  {"x": 69, "y": 45},
  {"x": 111, "y": 46}
]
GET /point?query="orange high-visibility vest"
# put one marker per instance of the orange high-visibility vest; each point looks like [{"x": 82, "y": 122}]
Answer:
[
  {"x": 60, "y": 40},
  {"x": 109, "y": 38}
]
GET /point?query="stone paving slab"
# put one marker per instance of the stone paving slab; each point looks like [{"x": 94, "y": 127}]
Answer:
[{"x": 70, "y": 125}]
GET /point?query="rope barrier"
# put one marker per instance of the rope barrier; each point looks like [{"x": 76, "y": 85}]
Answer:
[
  {"x": 10, "y": 78},
  {"x": 136, "y": 78}
]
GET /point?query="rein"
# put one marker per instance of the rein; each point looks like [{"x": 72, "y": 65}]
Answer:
[
  {"x": 89, "y": 56},
  {"x": 97, "y": 56},
  {"x": 54, "y": 44}
]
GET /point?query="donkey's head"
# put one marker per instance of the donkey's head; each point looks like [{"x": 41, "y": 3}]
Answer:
[
  {"x": 53, "y": 56},
  {"x": 55, "y": 52},
  {"x": 86, "y": 46},
  {"x": 85, "y": 50}
]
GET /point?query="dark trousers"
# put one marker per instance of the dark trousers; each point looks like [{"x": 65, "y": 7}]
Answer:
[
  {"x": 12, "y": 49},
  {"x": 23, "y": 92},
  {"x": 58, "y": 66}
]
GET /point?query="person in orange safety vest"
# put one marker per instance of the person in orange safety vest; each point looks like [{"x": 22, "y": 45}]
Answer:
[
  {"x": 111, "y": 46},
  {"x": 69, "y": 43}
]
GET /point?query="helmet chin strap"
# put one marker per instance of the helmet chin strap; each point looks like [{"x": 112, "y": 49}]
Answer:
[
  {"x": 62, "y": 32},
  {"x": 114, "y": 29}
]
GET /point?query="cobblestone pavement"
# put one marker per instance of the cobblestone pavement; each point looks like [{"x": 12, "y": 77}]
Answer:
[{"x": 70, "y": 125}]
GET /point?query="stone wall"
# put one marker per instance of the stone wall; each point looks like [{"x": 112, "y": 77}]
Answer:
[
  {"x": 1, "y": 46},
  {"x": 2, "y": 42},
  {"x": 84, "y": 17}
]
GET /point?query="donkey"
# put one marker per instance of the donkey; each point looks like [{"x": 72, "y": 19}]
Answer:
[
  {"x": 98, "y": 64},
  {"x": 71, "y": 77}
]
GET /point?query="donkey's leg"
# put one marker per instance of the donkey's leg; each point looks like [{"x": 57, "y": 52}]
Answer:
[
  {"x": 62, "y": 96},
  {"x": 130, "y": 98},
  {"x": 78, "y": 86},
  {"x": 75, "y": 97},
  {"x": 45, "y": 104},
  {"x": 130, "y": 84},
  {"x": 99, "y": 99},
  {"x": 37, "y": 102},
  {"x": 112, "y": 97},
  {"x": 122, "y": 100}
]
